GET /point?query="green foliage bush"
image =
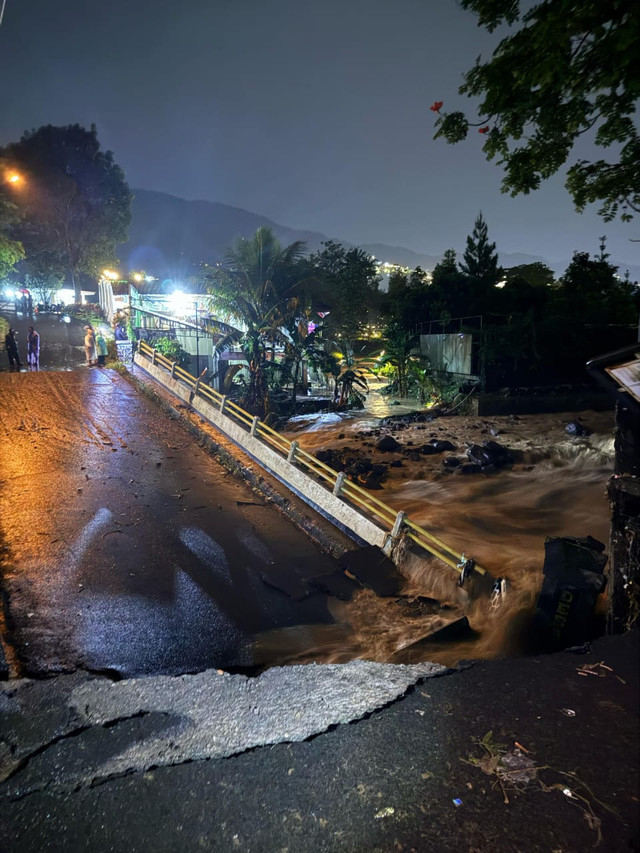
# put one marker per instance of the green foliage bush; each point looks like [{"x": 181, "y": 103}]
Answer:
[
  {"x": 172, "y": 350},
  {"x": 90, "y": 313}
]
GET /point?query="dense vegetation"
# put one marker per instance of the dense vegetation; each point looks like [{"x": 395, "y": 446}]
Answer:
[
  {"x": 527, "y": 328},
  {"x": 566, "y": 69}
]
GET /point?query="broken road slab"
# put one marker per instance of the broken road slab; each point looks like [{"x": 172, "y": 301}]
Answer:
[
  {"x": 92, "y": 728},
  {"x": 373, "y": 569}
]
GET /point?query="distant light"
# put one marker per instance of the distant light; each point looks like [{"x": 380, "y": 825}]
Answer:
[
  {"x": 111, "y": 275},
  {"x": 501, "y": 283},
  {"x": 137, "y": 276},
  {"x": 149, "y": 278},
  {"x": 14, "y": 178},
  {"x": 180, "y": 302}
]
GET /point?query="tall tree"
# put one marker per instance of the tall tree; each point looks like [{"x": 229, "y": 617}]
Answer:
[
  {"x": 570, "y": 69},
  {"x": 594, "y": 294},
  {"x": 260, "y": 288},
  {"x": 349, "y": 286},
  {"x": 536, "y": 274},
  {"x": 11, "y": 251},
  {"x": 480, "y": 259},
  {"x": 74, "y": 201},
  {"x": 449, "y": 289}
]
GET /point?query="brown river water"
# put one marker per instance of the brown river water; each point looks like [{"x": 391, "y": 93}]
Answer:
[{"x": 556, "y": 488}]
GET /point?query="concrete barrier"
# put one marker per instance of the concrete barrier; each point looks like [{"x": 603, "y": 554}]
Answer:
[{"x": 345, "y": 517}]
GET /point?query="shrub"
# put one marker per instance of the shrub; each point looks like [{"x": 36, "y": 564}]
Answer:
[{"x": 172, "y": 350}]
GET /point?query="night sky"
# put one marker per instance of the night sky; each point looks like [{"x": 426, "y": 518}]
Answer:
[{"x": 314, "y": 114}]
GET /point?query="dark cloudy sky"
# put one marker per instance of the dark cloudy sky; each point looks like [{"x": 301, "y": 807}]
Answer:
[{"x": 315, "y": 114}]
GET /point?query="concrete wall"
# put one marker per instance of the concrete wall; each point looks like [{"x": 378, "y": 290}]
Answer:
[
  {"x": 451, "y": 352},
  {"x": 344, "y": 516}
]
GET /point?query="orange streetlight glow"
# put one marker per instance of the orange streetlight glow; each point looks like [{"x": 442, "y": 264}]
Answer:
[{"x": 14, "y": 178}]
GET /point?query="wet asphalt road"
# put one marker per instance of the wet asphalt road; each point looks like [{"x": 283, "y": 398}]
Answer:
[
  {"x": 61, "y": 343},
  {"x": 126, "y": 547}
]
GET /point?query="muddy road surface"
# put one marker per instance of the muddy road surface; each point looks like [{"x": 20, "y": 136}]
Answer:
[{"x": 125, "y": 547}]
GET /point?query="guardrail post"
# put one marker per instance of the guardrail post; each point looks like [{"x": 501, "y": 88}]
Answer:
[
  {"x": 397, "y": 527},
  {"x": 254, "y": 425},
  {"x": 337, "y": 487},
  {"x": 292, "y": 451},
  {"x": 173, "y": 370},
  {"x": 222, "y": 402},
  {"x": 153, "y": 356},
  {"x": 196, "y": 386}
]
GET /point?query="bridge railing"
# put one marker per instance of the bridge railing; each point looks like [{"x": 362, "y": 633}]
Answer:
[{"x": 388, "y": 520}]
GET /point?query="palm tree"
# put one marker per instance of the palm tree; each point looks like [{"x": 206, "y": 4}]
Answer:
[
  {"x": 260, "y": 287},
  {"x": 400, "y": 354}
]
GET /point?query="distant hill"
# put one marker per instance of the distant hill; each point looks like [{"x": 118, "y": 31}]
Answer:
[{"x": 170, "y": 237}]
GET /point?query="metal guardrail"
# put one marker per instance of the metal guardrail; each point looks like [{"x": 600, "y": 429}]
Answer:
[{"x": 393, "y": 522}]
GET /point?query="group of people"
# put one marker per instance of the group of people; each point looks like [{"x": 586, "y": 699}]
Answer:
[
  {"x": 33, "y": 348},
  {"x": 25, "y": 304},
  {"x": 95, "y": 346}
]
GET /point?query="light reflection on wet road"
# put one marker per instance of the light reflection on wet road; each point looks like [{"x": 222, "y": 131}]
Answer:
[{"x": 126, "y": 546}]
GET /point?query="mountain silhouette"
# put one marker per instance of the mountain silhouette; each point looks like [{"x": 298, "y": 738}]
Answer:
[{"x": 171, "y": 238}]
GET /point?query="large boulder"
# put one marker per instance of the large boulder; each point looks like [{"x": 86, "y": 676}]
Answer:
[
  {"x": 490, "y": 453},
  {"x": 388, "y": 444}
]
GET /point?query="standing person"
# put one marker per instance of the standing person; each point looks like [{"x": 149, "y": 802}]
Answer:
[
  {"x": 12, "y": 348},
  {"x": 33, "y": 348},
  {"x": 101, "y": 348},
  {"x": 90, "y": 345},
  {"x": 30, "y": 305}
]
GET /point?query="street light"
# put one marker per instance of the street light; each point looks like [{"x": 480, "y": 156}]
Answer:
[{"x": 15, "y": 178}]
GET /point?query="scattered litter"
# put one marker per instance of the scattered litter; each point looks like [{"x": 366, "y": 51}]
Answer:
[
  {"x": 422, "y": 713},
  {"x": 522, "y": 748},
  {"x": 457, "y": 802},
  {"x": 594, "y": 669},
  {"x": 386, "y": 812},
  {"x": 514, "y": 771},
  {"x": 568, "y": 712},
  {"x": 514, "y": 767}
]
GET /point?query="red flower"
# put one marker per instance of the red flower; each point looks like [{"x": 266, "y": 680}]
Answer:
[
  {"x": 436, "y": 106},
  {"x": 484, "y": 129}
]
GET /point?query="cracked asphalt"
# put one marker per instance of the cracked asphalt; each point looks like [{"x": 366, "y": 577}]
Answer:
[{"x": 359, "y": 757}]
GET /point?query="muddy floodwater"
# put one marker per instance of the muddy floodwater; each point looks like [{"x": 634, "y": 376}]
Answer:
[{"x": 556, "y": 487}]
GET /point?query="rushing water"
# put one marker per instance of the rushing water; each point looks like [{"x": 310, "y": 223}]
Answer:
[{"x": 558, "y": 488}]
